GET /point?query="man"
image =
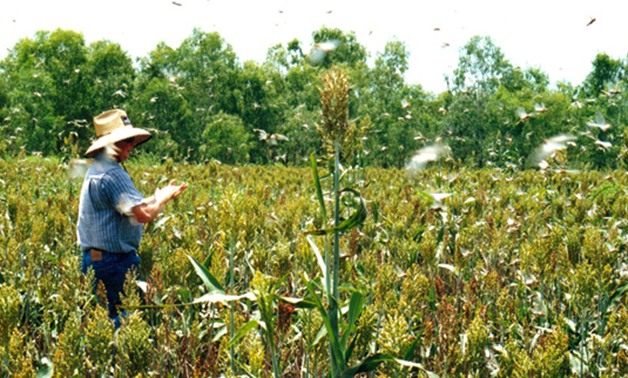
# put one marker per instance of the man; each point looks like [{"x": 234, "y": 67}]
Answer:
[{"x": 111, "y": 209}]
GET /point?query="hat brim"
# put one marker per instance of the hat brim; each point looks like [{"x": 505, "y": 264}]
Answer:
[{"x": 140, "y": 136}]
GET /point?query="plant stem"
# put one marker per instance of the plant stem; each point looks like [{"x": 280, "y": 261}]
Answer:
[
  {"x": 308, "y": 348},
  {"x": 231, "y": 325},
  {"x": 333, "y": 294},
  {"x": 336, "y": 216}
]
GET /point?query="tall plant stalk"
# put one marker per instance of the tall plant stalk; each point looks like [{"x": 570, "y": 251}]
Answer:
[
  {"x": 335, "y": 124},
  {"x": 336, "y": 216},
  {"x": 231, "y": 309},
  {"x": 339, "y": 135},
  {"x": 335, "y": 104},
  {"x": 333, "y": 291}
]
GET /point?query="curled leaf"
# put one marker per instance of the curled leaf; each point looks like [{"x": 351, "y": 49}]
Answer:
[{"x": 355, "y": 220}]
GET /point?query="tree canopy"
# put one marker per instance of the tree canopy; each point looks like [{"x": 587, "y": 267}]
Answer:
[{"x": 204, "y": 103}]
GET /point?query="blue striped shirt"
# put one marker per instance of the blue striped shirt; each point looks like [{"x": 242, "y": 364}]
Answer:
[{"x": 105, "y": 218}]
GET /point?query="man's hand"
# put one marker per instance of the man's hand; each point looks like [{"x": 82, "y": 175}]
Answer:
[
  {"x": 169, "y": 192},
  {"x": 151, "y": 207}
]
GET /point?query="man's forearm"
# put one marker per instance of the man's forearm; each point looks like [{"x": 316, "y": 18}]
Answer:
[{"x": 149, "y": 209}]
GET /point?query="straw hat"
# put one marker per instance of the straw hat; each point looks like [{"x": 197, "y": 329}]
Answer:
[{"x": 113, "y": 126}]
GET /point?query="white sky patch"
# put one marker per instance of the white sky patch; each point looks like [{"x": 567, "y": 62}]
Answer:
[{"x": 550, "y": 35}]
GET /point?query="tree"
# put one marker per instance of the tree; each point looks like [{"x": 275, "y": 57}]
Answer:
[
  {"x": 532, "y": 79},
  {"x": 106, "y": 79},
  {"x": 260, "y": 101},
  {"x": 207, "y": 68},
  {"x": 187, "y": 87},
  {"x": 111, "y": 76},
  {"x": 392, "y": 106},
  {"x": 604, "y": 103},
  {"x": 347, "y": 51},
  {"x": 329, "y": 47},
  {"x": 45, "y": 90},
  {"x": 160, "y": 107},
  {"x": 606, "y": 75},
  {"x": 465, "y": 127},
  {"x": 226, "y": 139},
  {"x": 299, "y": 127},
  {"x": 482, "y": 66}
]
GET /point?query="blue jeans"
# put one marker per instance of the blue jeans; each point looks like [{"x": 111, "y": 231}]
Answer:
[{"x": 111, "y": 270}]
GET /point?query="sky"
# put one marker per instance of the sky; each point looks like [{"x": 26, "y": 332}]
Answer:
[{"x": 560, "y": 37}]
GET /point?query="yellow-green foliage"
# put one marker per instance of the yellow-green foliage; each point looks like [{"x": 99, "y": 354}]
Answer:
[
  {"x": 69, "y": 356},
  {"x": 586, "y": 286},
  {"x": 317, "y": 352},
  {"x": 133, "y": 345},
  {"x": 130, "y": 296},
  {"x": 395, "y": 338},
  {"x": 365, "y": 333},
  {"x": 256, "y": 355},
  {"x": 385, "y": 288},
  {"x": 18, "y": 360},
  {"x": 415, "y": 290},
  {"x": 9, "y": 311},
  {"x": 551, "y": 358},
  {"x": 514, "y": 274},
  {"x": 98, "y": 333},
  {"x": 476, "y": 344},
  {"x": 614, "y": 343},
  {"x": 514, "y": 361}
]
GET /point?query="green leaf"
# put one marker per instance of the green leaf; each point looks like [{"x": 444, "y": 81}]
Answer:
[
  {"x": 319, "y": 258},
  {"x": 418, "y": 235},
  {"x": 356, "y": 305},
  {"x": 322, "y": 332},
  {"x": 184, "y": 294},
  {"x": 426, "y": 197},
  {"x": 208, "y": 260},
  {"x": 246, "y": 328},
  {"x": 317, "y": 186},
  {"x": 441, "y": 235},
  {"x": 372, "y": 362},
  {"x": 337, "y": 352},
  {"x": 411, "y": 349},
  {"x": 367, "y": 365},
  {"x": 375, "y": 212},
  {"x": 46, "y": 370},
  {"x": 299, "y": 302},
  {"x": 356, "y": 219},
  {"x": 618, "y": 294},
  {"x": 211, "y": 283}
]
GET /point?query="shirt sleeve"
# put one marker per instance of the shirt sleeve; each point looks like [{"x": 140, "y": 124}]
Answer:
[{"x": 120, "y": 191}]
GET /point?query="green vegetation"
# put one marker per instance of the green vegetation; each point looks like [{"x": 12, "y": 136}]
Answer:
[
  {"x": 518, "y": 274},
  {"x": 473, "y": 265},
  {"x": 204, "y": 104}
]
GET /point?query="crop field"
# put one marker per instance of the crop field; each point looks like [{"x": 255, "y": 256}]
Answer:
[{"x": 450, "y": 272}]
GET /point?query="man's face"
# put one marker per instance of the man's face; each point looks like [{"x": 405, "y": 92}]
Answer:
[{"x": 124, "y": 148}]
